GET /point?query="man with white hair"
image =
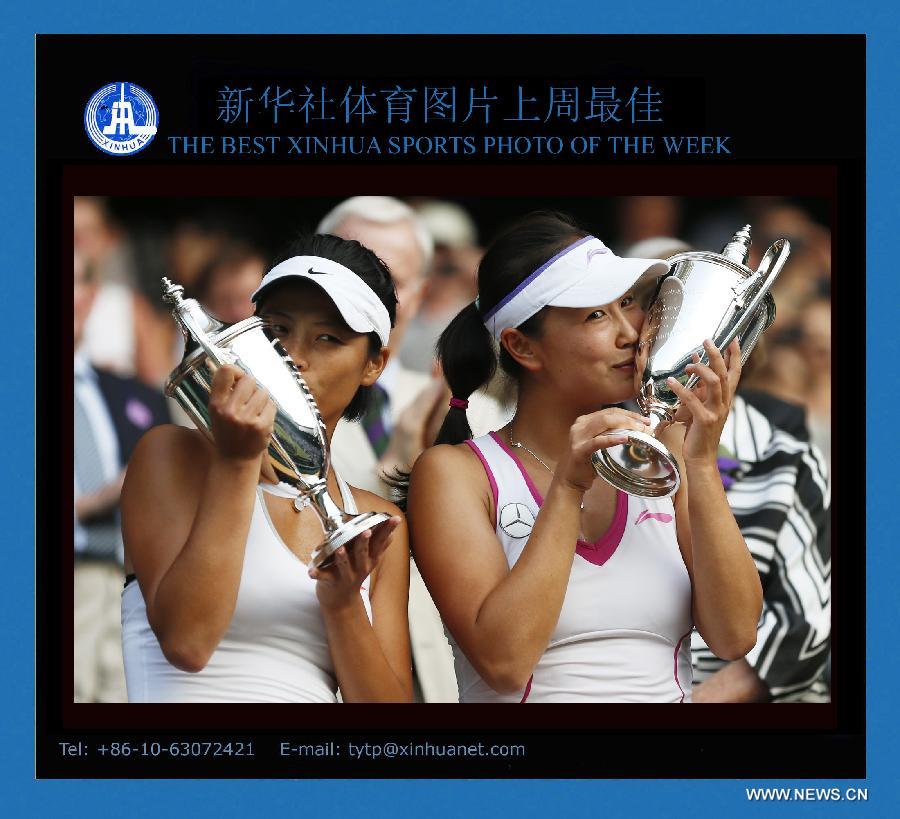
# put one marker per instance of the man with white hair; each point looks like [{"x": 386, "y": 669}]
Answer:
[
  {"x": 407, "y": 409},
  {"x": 392, "y": 229}
]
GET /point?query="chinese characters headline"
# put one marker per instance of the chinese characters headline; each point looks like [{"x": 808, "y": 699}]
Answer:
[{"x": 360, "y": 119}]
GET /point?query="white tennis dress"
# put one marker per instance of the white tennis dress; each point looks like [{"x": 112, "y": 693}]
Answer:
[
  {"x": 275, "y": 648},
  {"x": 623, "y": 632}
]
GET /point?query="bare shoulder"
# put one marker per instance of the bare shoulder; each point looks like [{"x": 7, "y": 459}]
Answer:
[
  {"x": 446, "y": 461},
  {"x": 448, "y": 477},
  {"x": 370, "y": 502},
  {"x": 167, "y": 456},
  {"x": 172, "y": 439}
]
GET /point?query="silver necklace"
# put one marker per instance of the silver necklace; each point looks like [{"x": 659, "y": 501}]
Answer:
[{"x": 520, "y": 445}]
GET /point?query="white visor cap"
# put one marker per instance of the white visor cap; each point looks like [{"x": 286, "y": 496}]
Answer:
[
  {"x": 357, "y": 303},
  {"x": 585, "y": 274}
]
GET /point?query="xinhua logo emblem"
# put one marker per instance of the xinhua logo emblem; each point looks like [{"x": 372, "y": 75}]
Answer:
[{"x": 121, "y": 119}]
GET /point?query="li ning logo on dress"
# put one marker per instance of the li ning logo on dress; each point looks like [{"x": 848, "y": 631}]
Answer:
[{"x": 662, "y": 517}]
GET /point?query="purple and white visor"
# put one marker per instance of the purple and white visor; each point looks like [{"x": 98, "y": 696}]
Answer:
[
  {"x": 357, "y": 303},
  {"x": 585, "y": 274}
]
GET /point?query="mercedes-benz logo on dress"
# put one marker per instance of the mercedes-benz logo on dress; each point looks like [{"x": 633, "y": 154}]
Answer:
[
  {"x": 121, "y": 118},
  {"x": 516, "y": 520}
]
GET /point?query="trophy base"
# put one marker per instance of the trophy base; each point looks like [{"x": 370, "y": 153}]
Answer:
[
  {"x": 324, "y": 553},
  {"x": 643, "y": 467}
]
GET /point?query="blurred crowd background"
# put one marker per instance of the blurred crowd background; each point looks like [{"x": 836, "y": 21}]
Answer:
[{"x": 219, "y": 249}]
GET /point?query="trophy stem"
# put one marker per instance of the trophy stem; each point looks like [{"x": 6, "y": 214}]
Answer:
[{"x": 330, "y": 514}]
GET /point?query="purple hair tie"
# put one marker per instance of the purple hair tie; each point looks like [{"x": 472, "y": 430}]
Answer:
[{"x": 459, "y": 403}]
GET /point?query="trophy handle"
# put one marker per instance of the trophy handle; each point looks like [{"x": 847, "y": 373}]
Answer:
[{"x": 770, "y": 267}]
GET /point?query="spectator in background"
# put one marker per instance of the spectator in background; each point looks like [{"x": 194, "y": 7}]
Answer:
[
  {"x": 643, "y": 217},
  {"x": 776, "y": 483},
  {"x": 123, "y": 333},
  {"x": 807, "y": 274},
  {"x": 815, "y": 346},
  {"x": 777, "y": 486},
  {"x": 451, "y": 283},
  {"x": 111, "y": 413},
  {"x": 193, "y": 246},
  {"x": 226, "y": 284}
]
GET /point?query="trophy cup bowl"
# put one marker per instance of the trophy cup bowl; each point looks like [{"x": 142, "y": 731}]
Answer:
[
  {"x": 298, "y": 448},
  {"x": 704, "y": 295}
]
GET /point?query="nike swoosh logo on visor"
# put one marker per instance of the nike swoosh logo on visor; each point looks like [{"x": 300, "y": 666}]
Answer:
[{"x": 312, "y": 272}]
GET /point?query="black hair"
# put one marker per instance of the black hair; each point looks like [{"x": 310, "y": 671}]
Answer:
[
  {"x": 466, "y": 349},
  {"x": 372, "y": 270}
]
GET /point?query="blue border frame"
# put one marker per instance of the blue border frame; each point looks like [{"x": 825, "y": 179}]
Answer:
[{"x": 23, "y": 796}]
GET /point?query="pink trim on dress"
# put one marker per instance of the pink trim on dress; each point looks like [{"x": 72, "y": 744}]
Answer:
[
  {"x": 605, "y": 546},
  {"x": 677, "y": 649},
  {"x": 527, "y": 689},
  {"x": 528, "y": 482},
  {"x": 490, "y": 475}
]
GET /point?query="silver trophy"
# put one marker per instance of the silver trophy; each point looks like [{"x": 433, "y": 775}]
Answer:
[
  {"x": 298, "y": 449},
  {"x": 704, "y": 295}
]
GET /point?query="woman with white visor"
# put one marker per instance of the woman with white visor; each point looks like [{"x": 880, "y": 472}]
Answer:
[
  {"x": 554, "y": 586},
  {"x": 224, "y": 608}
]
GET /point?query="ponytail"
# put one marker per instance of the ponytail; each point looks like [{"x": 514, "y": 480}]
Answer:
[{"x": 467, "y": 356}]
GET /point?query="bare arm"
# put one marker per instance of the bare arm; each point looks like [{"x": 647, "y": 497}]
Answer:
[
  {"x": 735, "y": 682},
  {"x": 502, "y": 618},
  {"x": 727, "y": 595},
  {"x": 186, "y": 510},
  {"x": 372, "y": 662}
]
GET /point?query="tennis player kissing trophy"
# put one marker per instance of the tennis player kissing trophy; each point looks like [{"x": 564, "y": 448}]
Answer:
[
  {"x": 298, "y": 449},
  {"x": 704, "y": 295}
]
